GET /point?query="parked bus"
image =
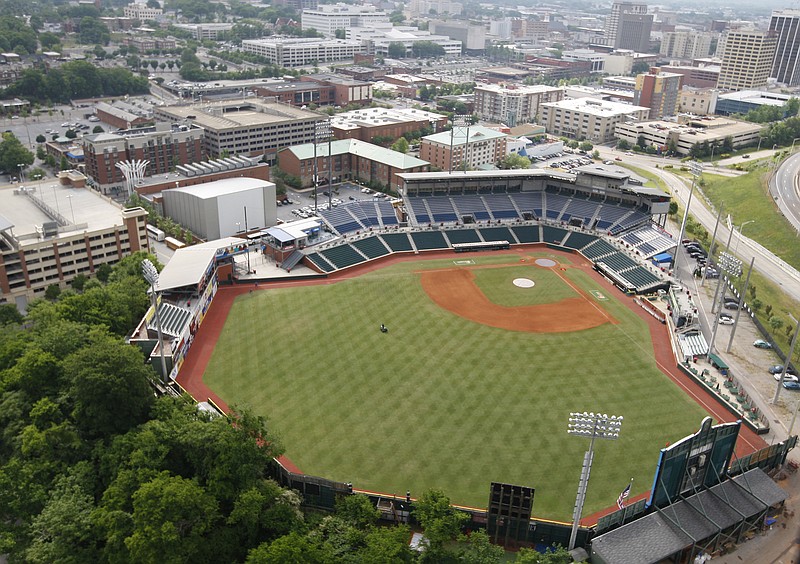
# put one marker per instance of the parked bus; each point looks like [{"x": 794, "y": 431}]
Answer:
[
  {"x": 155, "y": 233},
  {"x": 173, "y": 243}
]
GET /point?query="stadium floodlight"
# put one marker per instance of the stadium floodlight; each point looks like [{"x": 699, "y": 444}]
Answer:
[
  {"x": 594, "y": 426},
  {"x": 786, "y": 362},
  {"x": 150, "y": 274}
]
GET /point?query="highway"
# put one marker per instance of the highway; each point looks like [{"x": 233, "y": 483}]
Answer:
[
  {"x": 771, "y": 266},
  {"x": 784, "y": 188}
]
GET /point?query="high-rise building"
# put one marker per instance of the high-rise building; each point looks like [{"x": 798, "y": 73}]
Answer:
[
  {"x": 686, "y": 44},
  {"x": 658, "y": 91},
  {"x": 629, "y": 26},
  {"x": 746, "y": 59},
  {"x": 786, "y": 64},
  {"x": 513, "y": 104}
]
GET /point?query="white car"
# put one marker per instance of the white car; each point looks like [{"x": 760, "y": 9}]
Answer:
[
  {"x": 725, "y": 319},
  {"x": 787, "y": 378}
]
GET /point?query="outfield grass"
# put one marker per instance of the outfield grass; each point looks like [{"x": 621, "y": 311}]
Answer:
[{"x": 441, "y": 401}]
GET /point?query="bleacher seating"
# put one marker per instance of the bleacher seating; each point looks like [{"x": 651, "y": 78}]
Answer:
[
  {"x": 173, "y": 319},
  {"x": 442, "y": 209},
  {"x": 366, "y": 212},
  {"x": 501, "y": 206},
  {"x": 342, "y": 256},
  {"x": 529, "y": 202},
  {"x": 552, "y": 234},
  {"x": 618, "y": 261},
  {"x": 634, "y": 218},
  {"x": 578, "y": 240},
  {"x": 386, "y": 213},
  {"x": 418, "y": 214},
  {"x": 649, "y": 241},
  {"x": 640, "y": 277},
  {"x": 582, "y": 208},
  {"x": 555, "y": 205},
  {"x": 611, "y": 214},
  {"x": 496, "y": 234},
  {"x": 526, "y": 233},
  {"x": 342, "y": 220},
  {"x": 471, "y": 205},
  {"x": 373, "y": 247},
  {"x": 428, "y": 240},
  {"x": 292, "y": 260},
  {"x": 597, "y": 249},
  {"x": 397, "y": 242},
  {"x": 462, "y": 236},
  {"x": 320, "y": 262}
]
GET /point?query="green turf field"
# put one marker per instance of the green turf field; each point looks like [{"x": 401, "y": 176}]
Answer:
[{"x": 441, "y": 401}]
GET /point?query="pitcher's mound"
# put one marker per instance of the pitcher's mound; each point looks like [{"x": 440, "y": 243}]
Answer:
[
  {"x": 524, "y": 283},
  {"x": 545, "y": 262}
]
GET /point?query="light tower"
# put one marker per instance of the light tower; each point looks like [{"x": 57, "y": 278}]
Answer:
[{"x": 151, "y": 276}]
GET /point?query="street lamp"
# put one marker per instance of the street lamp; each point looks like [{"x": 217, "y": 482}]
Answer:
[
  {"x": 72, "y": 211},
  {"x": 151, "y": 276},
  {"x": 21, "y": 167},
  {"x": 594, "y": 426},
  {"x": 793, "y": 140},
  {"x": 739, "y": 238},
  {"x": 787, "y": 360}
]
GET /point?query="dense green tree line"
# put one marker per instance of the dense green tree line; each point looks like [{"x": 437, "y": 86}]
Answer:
[{"x": 75, "y": 80}]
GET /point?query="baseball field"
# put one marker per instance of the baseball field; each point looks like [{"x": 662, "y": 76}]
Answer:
[{"x": 473, "y": 382}]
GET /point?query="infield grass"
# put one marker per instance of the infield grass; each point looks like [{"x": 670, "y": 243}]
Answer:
[{"x": 440, "y": 401}]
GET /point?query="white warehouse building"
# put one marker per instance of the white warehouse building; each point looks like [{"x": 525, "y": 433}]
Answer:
[
  {"x": 327, "y": 18},
  {"x": 223, "y": 208}
]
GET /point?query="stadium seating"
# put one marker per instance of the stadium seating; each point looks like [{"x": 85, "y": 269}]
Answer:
[
  {"x": 321, "y": 262},
  {"x": 501, "y": 206},
  {"x": 578, "y": 240},
  {"x": 428, "y": 240},
  {"x": 471, "y": 205},
  {"x": 552, "y": 234},
  {"x": 342, "y": 220},
  {"x": 462, "y": 236},
  {"x": 582, "y": 208},
  {"x": 417, "y": 212},
  {"x": 497, "y": 234},
  {"x": 173, "y": 319},
  {"x": 386, "y": 213},
  {"x": 619, "y": 261},
  {"x": 649, "y": 241},
  {"x": 342, "y": 256},
  {"x": 556, "y": 203},
  {"x": 526, "y": 233},
  {"x": 598, "y": 249},
  {"x": 292, "y": 260},
  {"x": 373, "y": 247},
  {"x": 640, "y": 277},
  {"x": 529, "y": 202},
  {"x": 397, "y": 242},
  {"x": 441, "y": 209}
]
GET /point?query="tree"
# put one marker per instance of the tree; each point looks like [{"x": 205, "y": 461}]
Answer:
[
  {"x": 52, "y": 292},
  {"x": 71, "y": 134},
  {"x": 357, "y": 510},
  {"x": 13, "y": 154},
  {"x": 514, "y": 161},
  {"x": 41, "y": 154},
  {"x": 289, "y": 549},
  {"x": 585, "y": 146},
  {"x": 623, "y": 145},
  {"x": 439, "y": 521},
  {"x": 401, "y": 145},
  {"x": 93, "y": 31},
  {"x": 775, "y": 322},
  {"x": 109, "y": 386},
  {"x": 41, "y": 138},
  {"x": 98, "y": 129},
  {"x": 478, "y": 549},
  {"x": 396, "y": 50},
  {"x": 171, "y": 517}
]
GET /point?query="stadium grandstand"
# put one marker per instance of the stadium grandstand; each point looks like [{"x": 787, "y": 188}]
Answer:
[{"x": 604, "y": 215}]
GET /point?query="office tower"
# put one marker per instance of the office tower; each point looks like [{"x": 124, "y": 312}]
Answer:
[
  {"x": 628, "y": 26},
  {"x": 746, "y": 59},
  {"x": 786, "y": 64},
  {"x": 659, "y": 92}
]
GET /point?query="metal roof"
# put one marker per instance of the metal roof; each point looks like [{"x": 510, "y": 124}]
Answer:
[
  {"x": 221, "y": 187},
  {"x": 189, "y": 264},
  {"x": 361, "y": 149}
]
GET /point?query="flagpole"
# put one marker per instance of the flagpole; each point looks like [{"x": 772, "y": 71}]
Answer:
[{"x": 630, "y": 488}]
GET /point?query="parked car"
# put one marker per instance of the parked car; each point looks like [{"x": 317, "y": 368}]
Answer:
[
  {"x": 778, "y": 368},
  {"x": 788, "y": 378},
  {"x": 761, "y": 344},
  {"x": 725, "y": 319},
  {"x": 790, "y": 385}
]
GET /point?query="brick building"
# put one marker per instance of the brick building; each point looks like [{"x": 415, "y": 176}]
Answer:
[
  {"x": 163, "y": 146},
  {"x": 476, "y": 146},
  {"x": 368, "y": 123},
  {"x": 352, "y": 159}
]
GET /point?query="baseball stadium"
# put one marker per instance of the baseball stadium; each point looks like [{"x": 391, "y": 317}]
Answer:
[{"x": 443, "y": 340}]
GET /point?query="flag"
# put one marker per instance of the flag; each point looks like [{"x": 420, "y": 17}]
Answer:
[{"x": 623, "y": 496}]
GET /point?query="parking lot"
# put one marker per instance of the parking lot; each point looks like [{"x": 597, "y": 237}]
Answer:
[{"x": 301, "y": 204}]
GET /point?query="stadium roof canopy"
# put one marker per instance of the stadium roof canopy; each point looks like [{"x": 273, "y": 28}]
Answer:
[
  {"x": 688, "y": 522},
  {"x": 188, "y": 265}
]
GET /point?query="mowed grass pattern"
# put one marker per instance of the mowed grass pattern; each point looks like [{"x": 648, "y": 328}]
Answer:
[{"x": 440, "y": 401}]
